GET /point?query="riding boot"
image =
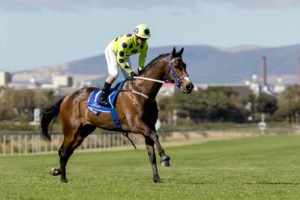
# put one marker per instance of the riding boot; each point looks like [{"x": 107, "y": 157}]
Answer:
[{"x": 102, "y": 100}]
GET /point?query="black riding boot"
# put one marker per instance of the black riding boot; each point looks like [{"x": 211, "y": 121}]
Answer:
[{"x": 102, "y": 100}]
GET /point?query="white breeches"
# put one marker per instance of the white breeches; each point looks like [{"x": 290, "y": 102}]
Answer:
[{"x": 112, "y": 64}]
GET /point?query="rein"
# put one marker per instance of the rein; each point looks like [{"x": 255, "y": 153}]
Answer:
[
  {"x": 176, "y": 77},
  {"x": 136, "y": 92},
  {"x": 148, "y": 79}
]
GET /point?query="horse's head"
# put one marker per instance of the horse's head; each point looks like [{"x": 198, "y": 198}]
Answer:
[{"x": 177, "y": 72}]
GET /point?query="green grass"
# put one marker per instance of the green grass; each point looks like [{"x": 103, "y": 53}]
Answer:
[{"x": 250, "y": 168}]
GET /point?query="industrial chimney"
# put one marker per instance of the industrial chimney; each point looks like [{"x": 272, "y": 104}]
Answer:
[{"x": 263, "y": 72}]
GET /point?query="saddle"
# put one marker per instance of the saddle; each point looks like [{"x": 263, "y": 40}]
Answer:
[{"x": 95, "y": 108}]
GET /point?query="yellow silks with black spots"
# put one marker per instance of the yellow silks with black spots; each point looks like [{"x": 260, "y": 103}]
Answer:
[{"x": 125, "y": 46}]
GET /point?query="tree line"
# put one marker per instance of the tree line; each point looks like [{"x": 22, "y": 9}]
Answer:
[
  {"x": 215, "y": 104},
  {"x": 223, "y": 104},
  {"x": 18, "y": 105}
]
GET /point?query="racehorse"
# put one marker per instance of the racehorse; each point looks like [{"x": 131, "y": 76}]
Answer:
[{"x": 135, "y": 106}]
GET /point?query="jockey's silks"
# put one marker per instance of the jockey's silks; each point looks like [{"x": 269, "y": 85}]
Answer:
[{"x": 125, "y": 46}]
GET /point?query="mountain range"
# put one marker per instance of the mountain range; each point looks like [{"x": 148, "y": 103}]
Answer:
[{"x": 205, "y": 65}]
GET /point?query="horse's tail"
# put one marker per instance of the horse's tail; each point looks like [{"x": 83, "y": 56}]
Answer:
[{"x": 48, "y": 115}]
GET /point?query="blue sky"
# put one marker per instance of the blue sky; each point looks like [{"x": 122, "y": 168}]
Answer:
[{"x": 35, "y": 33}]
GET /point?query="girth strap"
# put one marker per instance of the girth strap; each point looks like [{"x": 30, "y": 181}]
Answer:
[{"x": 115, "y": 119}]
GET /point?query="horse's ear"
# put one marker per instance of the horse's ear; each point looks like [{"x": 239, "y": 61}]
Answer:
[
  {"x": 174, "y": 52},
  {"x": 181, "y": 51}
]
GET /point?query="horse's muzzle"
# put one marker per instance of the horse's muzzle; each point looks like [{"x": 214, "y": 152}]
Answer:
[{"x": 186, "y": 89}]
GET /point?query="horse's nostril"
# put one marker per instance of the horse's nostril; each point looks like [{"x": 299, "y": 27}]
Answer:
[{"x": 189, "y": 87}]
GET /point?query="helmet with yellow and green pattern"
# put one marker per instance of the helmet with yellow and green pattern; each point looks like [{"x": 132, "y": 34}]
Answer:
[{"x": 142, "y": 31}]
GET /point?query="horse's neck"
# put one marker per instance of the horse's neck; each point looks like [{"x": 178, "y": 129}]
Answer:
[{"x": 151, "y": 88}]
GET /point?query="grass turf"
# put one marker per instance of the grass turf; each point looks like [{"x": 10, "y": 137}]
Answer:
[{"x": 265, "y": 167}]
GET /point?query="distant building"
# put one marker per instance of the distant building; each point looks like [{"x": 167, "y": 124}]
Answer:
[
  {"x": 257, "y": 88},
  {"x": 5, "y": 78},
  {"x": 82, "y": 84},
  {"x": 33, "y": 84},
  {"x": 62, "y": 81},
  {"x": 279, "y": 86},
  {"x": 59, "y": 81},
  {"x": 254, "y": 85}
]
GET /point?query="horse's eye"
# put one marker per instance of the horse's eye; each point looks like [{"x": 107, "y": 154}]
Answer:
[{"x": 177, "y": 66}]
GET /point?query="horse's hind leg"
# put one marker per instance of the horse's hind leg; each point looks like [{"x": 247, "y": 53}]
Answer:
[
  {"x": 57, "y": 171},
  {"x": 81, "y": 133},
  {"x": 152, "y": 158},
  {"x": 71, "y": 141},
  {"x": 65, "y": 154}
]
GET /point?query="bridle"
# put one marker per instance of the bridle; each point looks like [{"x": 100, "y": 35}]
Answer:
[{"x": 176, "y": 77}]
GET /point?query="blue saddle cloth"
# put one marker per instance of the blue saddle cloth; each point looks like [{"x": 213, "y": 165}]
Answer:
[{"x": 94, "y": 107}]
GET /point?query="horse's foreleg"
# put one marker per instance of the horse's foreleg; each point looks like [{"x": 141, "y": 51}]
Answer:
[
  {"x": 164, "y": 158},
  {"x": 148, "y": 132},
  {"x": 152, "y": 158}
]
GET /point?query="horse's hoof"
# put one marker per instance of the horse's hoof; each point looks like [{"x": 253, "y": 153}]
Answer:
[
  {"x": 157, "y": 180},
  {"x": 64, "y": 180},
  {"x": 55, "y": 172},
  {"x": 164, "y": 158},
  {"x": 165, "y": 163}
]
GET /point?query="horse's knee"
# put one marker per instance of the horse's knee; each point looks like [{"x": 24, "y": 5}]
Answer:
[
  {"x": 153, "y": 136},
  {"x": 152, "y": 156},
  {"x": 60, "y": 150}
]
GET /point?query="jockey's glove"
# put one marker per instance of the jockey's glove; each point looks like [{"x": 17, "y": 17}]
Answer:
[
  {"x": 132, "y": 74},
  {"x": 140, "y": 71}
]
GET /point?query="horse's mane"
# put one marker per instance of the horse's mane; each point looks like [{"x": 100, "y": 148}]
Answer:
[{"x": 152, "y": 63}]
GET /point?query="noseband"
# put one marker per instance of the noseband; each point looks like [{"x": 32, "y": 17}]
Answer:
[{"x": 177, "y": 79}]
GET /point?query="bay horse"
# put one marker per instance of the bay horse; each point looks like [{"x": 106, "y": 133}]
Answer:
[{"x": 135, "y": 106}]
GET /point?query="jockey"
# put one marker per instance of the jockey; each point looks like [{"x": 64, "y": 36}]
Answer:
[{"x": 117, "y": 55}]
